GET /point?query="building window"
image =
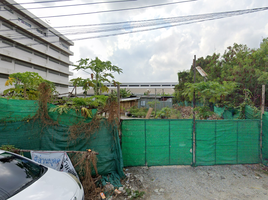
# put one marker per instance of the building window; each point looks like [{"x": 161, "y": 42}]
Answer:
[
  {"x": 40, "y": 68},
  {"x": 142, "y": 103},
  {"x": 61, "y": 85},
  {"x": 7, "y": 59},
  {"x": 64, "y": 75},
  {"x": 40, "y": 42},
  {"x": 8, "y": 9},
  {"x": 23, "y": 63},
  {"x": 7, "y": 42},
  {"x": 65, "y": 54},
  {"x": 54, "y": 49},
  {"x": 5, "y": 76},
  {"x": 54, "y": 60},
  {"x": 40, "y": 55},
  {"x": 64, "y": 86},
  {"x": 65, "y": 46},
  {"x": 24, "y": 22},
  {"x": 23, "y": 48},
  {"x": 7, "y": 25},
  {"x": 25, "y": 34},
  {"x": 53, "y": 72},
  {"x": 63, "y": 64},
  {"x": 39, "y": 31}
]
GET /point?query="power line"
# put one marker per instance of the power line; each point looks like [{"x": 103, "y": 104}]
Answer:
[
  {"x": 73, "y": 5},
  {"x": 177, "y": 21},
  {"x": 115, "y": 10},
  {"x": 35, "y": 2},
  {"x": 154, "y": 22},
  {"x": 151, "y": 29}
]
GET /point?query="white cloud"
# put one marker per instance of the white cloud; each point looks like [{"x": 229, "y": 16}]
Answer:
[{"x": 159, "y": 54}]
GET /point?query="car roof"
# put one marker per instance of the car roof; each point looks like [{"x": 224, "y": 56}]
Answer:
[{"x": 2, "y": 151}]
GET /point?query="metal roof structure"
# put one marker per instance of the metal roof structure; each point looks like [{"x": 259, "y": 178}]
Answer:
[{"x": 144, "y": 85}]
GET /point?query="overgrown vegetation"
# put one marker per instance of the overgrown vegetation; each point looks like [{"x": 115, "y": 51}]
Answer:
[
  {"x": 100, "y": 72},
  {"x": 10, "y": 148},
  {"x": 238, "y": 70},
  {"x": 164, "y": 113},
  {"x": 124, "y": 93},
  {"x": 83, "y": 129},
  {"x": 25, "y": 85}
]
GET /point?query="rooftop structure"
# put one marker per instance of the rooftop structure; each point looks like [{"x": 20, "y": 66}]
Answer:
[{"x": 136, "y": 88}]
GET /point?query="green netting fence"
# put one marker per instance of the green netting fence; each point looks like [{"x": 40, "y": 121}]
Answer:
[
  {"x": 227, "y": 142},
  {"x": 265, "y": 138},
  {"x": 144, "y": 142},
  {"x": 156, "y": 142},
  {"x": 16, "y": 128},
  {"x": 169, "y": 142}
]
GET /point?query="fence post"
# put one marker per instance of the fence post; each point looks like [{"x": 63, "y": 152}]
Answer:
[
  {"x": 237, "y": 142},
  {"x": 118, "y": 98},
  {"x": 194, "y": 144},
  {"x": 169, "y": 140},
  {"x": 154, "y": 102},
  {"x": 215, "y": 146},
  {"x": 145, "y": 143},
  {"x": 262, "y": 112}
]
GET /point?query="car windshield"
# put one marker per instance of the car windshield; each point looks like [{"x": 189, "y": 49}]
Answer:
[{"x": 17, "y": 173}]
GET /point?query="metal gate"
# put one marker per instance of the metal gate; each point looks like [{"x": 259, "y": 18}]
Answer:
[{"x": 158, "y": 142}]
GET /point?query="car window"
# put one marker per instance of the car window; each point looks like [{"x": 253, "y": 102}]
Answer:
[{"x": 17, "y": 173}]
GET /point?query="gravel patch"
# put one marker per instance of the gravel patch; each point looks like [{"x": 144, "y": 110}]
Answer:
[{"x": 232, "y": 182}]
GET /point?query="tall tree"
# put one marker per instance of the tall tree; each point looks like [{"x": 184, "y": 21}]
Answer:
[
  {"x": 100, "y": 72},
  {"x": 247, "y": 67}
]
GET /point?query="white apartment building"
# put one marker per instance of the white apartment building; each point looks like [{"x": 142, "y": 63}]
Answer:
[{"x": 29, "y": 44}]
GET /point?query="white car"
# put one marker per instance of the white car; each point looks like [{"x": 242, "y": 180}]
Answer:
[{"x": 24, "y": 179}]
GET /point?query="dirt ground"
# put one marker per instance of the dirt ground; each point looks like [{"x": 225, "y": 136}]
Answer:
[{"x": 235, "y": 182}]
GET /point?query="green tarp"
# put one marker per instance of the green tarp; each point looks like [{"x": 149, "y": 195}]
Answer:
[
  {"x": 251, "y": 113},
  {"x": 35, "y": 135},
  {"x": 227, "y": 113},
  {"x": 17, "y": 110}
]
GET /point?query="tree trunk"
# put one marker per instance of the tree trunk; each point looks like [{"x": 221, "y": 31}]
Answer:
[{"x": 24, "y": 91}]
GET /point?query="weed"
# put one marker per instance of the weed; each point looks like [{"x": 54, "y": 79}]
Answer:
[{"x": 137, "y": 194}]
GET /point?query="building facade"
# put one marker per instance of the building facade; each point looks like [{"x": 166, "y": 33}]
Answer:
[
  {"x": 139, "y": 89},
  {"x": 29, "y": 44}
]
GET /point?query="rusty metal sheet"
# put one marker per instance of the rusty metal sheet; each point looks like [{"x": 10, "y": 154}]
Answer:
[{"x": 201, "y": 71}]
